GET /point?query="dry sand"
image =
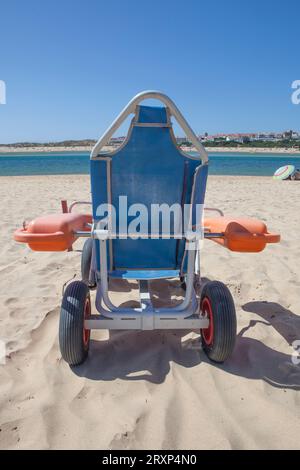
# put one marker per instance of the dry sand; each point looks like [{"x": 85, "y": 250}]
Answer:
[{"x": 152, "y": 389}]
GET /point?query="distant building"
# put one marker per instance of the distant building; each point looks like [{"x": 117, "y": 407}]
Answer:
[
  {"x": 181, "y": 140},
  {"x": 117, "y": 140},
  {"x": 240, "y": 138}
]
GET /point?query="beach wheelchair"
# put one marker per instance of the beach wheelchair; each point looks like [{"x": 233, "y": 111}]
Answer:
[{"x": 148, "y": 223}]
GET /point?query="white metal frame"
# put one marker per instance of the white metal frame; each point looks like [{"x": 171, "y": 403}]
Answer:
[
  {"x": 145, "y": 317},
  {"x": 185, "y": 315}
]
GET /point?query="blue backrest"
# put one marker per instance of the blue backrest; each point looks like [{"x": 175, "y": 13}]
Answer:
[{"x": 149, "y": 169}]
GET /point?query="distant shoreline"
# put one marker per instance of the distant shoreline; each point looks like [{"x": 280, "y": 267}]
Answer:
[
  {"x": 58, "y": 149},
  {"x": 247, "y": 150}
]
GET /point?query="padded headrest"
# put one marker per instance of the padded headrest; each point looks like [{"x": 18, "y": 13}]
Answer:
[{"x": 151, "y": 114}]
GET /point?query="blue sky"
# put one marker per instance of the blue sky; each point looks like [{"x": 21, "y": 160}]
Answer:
[{"x": 71, "y": 65}]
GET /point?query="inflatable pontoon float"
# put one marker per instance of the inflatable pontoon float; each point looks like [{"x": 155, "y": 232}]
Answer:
[{"x": 148, "y": 169}]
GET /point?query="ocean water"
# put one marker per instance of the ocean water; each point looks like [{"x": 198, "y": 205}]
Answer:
[{"x": 78, "y": 163}]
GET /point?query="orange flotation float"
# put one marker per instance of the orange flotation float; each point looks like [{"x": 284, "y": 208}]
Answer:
[
  {"x": 58, "y": 232},
  {"x": 241, "y": 234}
]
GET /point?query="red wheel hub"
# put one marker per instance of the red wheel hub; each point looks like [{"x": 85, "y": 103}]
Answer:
[
  {"x": 87, "y": 312},
  {"x": 207, "y": 333}
]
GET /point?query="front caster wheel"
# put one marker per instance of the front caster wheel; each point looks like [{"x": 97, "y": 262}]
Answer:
[
  {"x": 217, "y": 305},
  {"x": 74, "y": 339}
]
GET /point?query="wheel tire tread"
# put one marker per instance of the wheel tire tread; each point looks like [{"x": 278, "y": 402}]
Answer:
[
  {"x": 86, "y": 259},
  {"x": 224, "y": 318},
  {"x": 71, "y": 323}
]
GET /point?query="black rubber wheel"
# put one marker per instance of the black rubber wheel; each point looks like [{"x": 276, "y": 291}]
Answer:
[
  {"x": 86, "y": 260},
  {"x": 217, "y": 304},
  {"x": 73, "y": 338}
]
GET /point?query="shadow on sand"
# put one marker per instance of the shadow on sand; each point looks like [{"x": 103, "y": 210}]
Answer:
[
  {"x": 147, "y": 355},
  {"x": 285, "y": 322}
]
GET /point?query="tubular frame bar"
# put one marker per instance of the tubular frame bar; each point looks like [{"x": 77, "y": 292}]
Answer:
[
  {"x": 87, "y": 234},
  {"x": 214, "y": 209},
  {"x": 144, "y": 317},
  {"x": 130, "y": 108},
  {"x": 79, "y": 203},
  {"x": 181, "y": 309}
]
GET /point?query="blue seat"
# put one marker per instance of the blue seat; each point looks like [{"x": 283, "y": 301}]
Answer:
[{"x": 149, "y": 169}]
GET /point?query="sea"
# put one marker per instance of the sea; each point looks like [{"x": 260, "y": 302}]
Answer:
[{"x": 239, "y": 164}]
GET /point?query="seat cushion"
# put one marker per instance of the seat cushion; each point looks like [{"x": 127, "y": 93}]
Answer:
[{"x": 144, "y": 274}]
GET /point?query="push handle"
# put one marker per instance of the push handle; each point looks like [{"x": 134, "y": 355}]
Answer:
[{"x": 130, "y": 108}]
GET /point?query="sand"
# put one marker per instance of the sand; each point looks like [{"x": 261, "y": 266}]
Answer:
[
  {"x": 87, "y": 148},
  {"x": 152, "y": 389}
]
